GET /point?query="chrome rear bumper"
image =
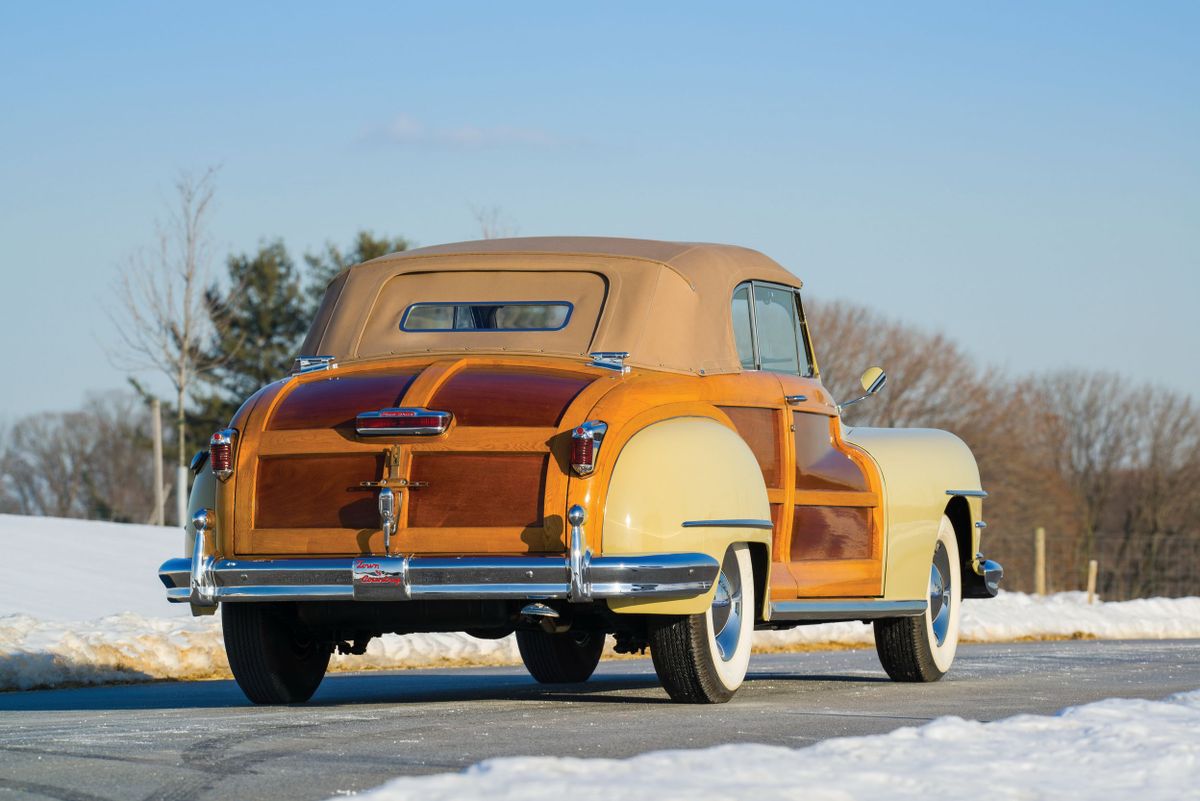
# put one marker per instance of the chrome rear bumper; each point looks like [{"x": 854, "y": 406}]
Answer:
[{"x": 378, "y": 578}]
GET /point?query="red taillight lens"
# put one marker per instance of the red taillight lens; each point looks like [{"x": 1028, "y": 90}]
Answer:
[
  {"x": 220, "y": 453},
  {"x": 583, "y": 455},
  {"x": 394, "y": 422},
  {"x": 585, "y": 446}
]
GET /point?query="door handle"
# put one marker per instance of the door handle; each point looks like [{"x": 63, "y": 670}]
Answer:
[{"x": 795, "y": 399}]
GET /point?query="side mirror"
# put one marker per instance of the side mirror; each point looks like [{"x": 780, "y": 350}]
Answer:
[{"x": 872, "y": 381}]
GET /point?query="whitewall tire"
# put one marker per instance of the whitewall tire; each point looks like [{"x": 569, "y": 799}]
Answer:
[
  {"x": 922, "y": 648},
  {"x": 703, "y": 658}
]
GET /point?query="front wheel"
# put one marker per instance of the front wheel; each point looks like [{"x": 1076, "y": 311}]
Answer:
[
  {"x": 922, "y": 648},
  {"x": 702, "y": 658},
  {"x": 274, "y": 659}
]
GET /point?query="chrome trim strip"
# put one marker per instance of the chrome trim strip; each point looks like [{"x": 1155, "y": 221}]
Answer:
[
  {"x": 404, "y": 411},
  {"x": 968, "y": 493},
  {"x": 795, "y": 399},
  {"x": 610, "y": 360},
  {"x": 731, "y": 523},
  {"x": 312, "y": 364},
  {"x": 980, "y": 524},
  {"x": 383, "y": 578},
  {"x": 845, "y": 610}
]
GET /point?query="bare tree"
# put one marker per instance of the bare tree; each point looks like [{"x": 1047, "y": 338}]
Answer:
[
  {"x": 492, "y": 222},
  {"x": 162, "y": 321}
]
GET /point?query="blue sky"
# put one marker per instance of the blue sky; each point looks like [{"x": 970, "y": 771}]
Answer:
[{"x": 1023, "y": 177}]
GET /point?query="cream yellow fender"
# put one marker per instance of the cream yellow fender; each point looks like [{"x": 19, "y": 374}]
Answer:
[
  {"x": 683, "y": 469},
  {"x": 920, "y": 466}
]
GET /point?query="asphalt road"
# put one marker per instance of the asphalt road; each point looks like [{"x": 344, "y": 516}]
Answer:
[{"x": 202, "y": 740}]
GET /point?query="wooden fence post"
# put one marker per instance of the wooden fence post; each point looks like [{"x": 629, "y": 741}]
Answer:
[
  {"x": 1039, "y": 560},
  {"x": 1093, "y": 568}
]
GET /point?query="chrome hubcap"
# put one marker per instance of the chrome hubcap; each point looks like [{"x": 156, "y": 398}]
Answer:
[
  {"x": 727, "y": 608},
  {"x": 940, "y": 593}
]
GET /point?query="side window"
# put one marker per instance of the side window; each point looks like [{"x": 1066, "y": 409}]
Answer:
[
  {"x": 778, "y": 328},
  {"x": 742, "y": 327}
]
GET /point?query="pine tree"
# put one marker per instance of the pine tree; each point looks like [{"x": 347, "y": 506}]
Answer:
[{"x": 263, "y": 317}]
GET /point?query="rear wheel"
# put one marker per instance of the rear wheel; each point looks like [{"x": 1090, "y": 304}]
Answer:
[
  {"x": 922, "y": 648},
  {"x": 274, "y": 658},
  {"x": 702, "y": 658},
  {"x": 566, "y": 658}
]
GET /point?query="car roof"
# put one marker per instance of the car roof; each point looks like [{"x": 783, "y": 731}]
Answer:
[{"x": 666, "y": 303}]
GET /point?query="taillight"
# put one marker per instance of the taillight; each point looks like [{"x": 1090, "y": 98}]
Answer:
[
  {"x": 585, "y": 446},
  {"x": 398, "y": 422},
  {"x": 220, "y": 452}
]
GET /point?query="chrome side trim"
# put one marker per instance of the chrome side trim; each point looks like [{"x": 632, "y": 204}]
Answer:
[
  {"x": 384, "y": 578},
  {"x": 731, "y": 523},
  {"x": 980, "y": 524},
  {"x": 610, "y": 360},
  {"x": 312, "y": 364},
  {"x": 968, "y": 493},
  {"x": 795, "y": 399},
  {"x": 845, "y": 610}
]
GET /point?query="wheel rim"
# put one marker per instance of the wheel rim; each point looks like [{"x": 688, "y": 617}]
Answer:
[
  {"x": 940, "y": 593},
  {"x": 727, "y": 609}
]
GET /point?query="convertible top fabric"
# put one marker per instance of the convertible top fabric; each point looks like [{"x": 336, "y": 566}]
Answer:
[{"x": 666, "y": 303}]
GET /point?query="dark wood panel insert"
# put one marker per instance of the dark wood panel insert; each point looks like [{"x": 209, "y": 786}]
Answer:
[
  {"x": 335, "y": 402},
  {"x": 760, "y": 428},
  {"x": 831, "y": 532},
  {"x": 509, "y": 396},
  {"x": 317, "y": 491},
  {"x": 477, "y": 489}
]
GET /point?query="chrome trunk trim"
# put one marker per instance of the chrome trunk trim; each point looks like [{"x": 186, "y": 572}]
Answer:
[
  {"x": 968, "y": 493},
  {"x": 844, "y": 610}
]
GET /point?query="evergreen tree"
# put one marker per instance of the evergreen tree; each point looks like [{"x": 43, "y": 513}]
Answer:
[
  {"x": 264, "y": 318},
  {"x": 324, "y": 266}
]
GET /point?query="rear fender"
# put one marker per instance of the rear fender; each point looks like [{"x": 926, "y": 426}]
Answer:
[{"x": 677, "y": 470}]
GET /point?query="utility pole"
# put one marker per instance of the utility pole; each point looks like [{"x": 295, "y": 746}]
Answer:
[{"x": 159, "y": 500}]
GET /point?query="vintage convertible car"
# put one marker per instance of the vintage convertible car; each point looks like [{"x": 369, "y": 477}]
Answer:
[{"x": 572, "y": 438}]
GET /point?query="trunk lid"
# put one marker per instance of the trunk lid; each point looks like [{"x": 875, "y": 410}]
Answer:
[{"x": 495, "y": 482}]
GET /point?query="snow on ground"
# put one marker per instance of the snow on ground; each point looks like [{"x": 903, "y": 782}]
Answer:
[
  {"x": 98, "y": 614},
  {"x": 1115, "y": 749}
]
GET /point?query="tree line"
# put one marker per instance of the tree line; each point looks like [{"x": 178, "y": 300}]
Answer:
[{"x": 1108, "y": 466}]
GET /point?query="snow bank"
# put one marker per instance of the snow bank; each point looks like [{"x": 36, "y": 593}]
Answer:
[
  {"x": 1115, "y": 749},
  {"x": 58, "y": 569},
  {"x": 131, "y": 647}
]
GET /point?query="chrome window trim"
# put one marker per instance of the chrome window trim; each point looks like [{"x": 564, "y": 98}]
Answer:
[
  {"x": 408, "y": 311},
  {"x": 804, "y": 355}
]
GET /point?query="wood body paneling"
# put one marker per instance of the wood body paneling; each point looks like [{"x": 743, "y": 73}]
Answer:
[
  {"x": 820, "y": 465},
  {"x": 508, "y": 396},
  {"x": 831, "y": 532},
  {"x": 317, "y": 491},
  {"x": 760, "y": 429},
  {"x": 477, "y": 489},
  {"x": 335, "y": 402}
]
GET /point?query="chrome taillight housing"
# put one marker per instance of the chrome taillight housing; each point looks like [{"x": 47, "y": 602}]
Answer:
[
  {"x": 585, "y": 446},
  {"x": 410, "y": 421},
  {"x": 220, "y": 452}
]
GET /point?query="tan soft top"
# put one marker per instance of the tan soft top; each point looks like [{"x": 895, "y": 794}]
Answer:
[{"x": 666, "y": 303}]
